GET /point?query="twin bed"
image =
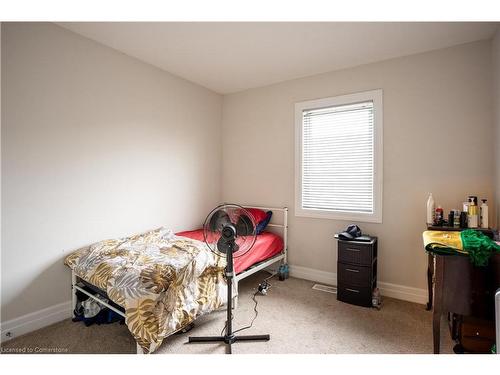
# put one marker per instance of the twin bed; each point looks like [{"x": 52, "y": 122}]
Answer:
[{"x": 160, "y": 282}]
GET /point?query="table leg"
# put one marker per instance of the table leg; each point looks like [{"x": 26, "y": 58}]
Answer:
[
  {"x": 430, "y": 275},
  {"x": 438, "y": 303}
]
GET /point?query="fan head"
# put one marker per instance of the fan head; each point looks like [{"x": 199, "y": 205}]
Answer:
[{"x": 226, "y": 222}]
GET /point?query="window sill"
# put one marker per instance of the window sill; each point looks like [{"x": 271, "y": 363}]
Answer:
[{"x": 347, "y": 216}]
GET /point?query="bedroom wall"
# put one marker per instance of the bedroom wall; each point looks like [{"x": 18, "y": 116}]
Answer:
[
  {"x": 95, "y": 144},
  {"x": 496, "y": 102},
  {"x": 437, "y": 138}
]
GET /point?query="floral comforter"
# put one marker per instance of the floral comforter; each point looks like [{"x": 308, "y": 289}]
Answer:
[{"x": 163, "y": 281}]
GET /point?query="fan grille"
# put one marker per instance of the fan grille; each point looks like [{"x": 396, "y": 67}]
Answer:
[{"x": 236, "y": 215}]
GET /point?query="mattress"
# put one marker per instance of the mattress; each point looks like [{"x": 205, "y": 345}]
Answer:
[{"x": 266, "y": 246}]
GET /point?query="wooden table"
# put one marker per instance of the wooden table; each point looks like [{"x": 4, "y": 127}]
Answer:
[
  {"x": 460, "y": 288},
  {"x": 455, "y": 286},
  {"x": 441, "y": 301},
  {"x": 430, "y": 260}
]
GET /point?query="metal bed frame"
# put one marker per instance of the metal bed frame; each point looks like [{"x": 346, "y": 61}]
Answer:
[{"x": 282, "y": 258}]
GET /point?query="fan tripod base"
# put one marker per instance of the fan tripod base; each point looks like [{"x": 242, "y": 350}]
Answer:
[
  {"x": 230, "y": 339},
  {"x": 226, "y": 245}
]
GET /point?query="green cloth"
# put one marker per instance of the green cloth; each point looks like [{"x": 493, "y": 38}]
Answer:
[{"x": 479, "y": 246}]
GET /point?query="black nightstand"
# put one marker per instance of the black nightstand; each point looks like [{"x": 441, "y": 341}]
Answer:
[{"x": 356, "y": 271}]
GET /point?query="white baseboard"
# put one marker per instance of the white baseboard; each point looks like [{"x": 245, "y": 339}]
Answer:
[
  {"x": 35, "y": 320},
  {"x": 401, "y": 292},
  {"x": 311, "y": 274}
]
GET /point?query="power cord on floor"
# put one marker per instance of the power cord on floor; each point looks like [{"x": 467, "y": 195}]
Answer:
[
  {"x": 262, "y": 289},
  {"x": 255, "y": 310}
]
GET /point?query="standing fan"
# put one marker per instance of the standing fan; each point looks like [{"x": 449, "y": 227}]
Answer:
[{"x": 229, "y": 231}]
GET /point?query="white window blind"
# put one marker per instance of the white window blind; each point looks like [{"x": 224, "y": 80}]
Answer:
[
  {"x": 339, "y": 157},
  {"x": 337, "y": 160}
]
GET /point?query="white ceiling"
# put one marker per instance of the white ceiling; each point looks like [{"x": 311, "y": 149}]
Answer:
[{"x": 230, "y": 57}]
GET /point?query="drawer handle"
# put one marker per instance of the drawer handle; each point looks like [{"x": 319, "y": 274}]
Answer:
[
  {"x": 351, "y": 270},
  {"x": 352, "y": 290},
  {"x": 350, "y": 249}
]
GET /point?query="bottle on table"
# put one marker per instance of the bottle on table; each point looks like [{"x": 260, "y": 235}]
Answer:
[
  {"x": 451, "y": 218},
  {"x": 438, "y": 218},
  {"x": 484, "y": 214},
  {"x": 473, "y": 214},
  {"x": 456, "y": 218},
  {"x": 465, "y": 206},
  {"x": 463, "y": 220},
  {"x": 430, "y": 210}
]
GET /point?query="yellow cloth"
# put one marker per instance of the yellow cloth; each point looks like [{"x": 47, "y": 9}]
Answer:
[
  {"x": 473, "y": 243},
  {"x": 443, "y": 239}
]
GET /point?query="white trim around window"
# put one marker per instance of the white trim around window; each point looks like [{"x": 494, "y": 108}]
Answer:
[{"x": 320, "y": 197}]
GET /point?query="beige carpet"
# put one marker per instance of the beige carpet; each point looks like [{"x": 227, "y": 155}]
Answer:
[{"x": 299, "y": 320}]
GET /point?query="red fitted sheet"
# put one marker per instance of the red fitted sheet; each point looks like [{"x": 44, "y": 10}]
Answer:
[{"x": 266, "y": 246}]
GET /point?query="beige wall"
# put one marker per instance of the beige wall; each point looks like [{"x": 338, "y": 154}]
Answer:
[
  {"x": 496, "y": 130},
  {"x": 95, "y": 144},
  {"x": 437, "y": 138}
]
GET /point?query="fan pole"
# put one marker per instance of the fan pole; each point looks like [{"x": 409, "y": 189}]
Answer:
[
  {"x": 229, "y": 277},
  {"x": 229, "y": 338}
]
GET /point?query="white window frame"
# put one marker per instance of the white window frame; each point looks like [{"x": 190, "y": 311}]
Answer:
[{"x": 377, "y": 97}]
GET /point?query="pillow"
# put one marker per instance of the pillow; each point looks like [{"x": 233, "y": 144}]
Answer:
[
  {"x": 263, "y": 224},
  {"x": 243, "y": 227},
  {"x": 257, "y": 214}
]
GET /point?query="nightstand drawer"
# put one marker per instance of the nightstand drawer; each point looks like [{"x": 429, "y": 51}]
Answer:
[
  {"x": 350, "y": 274},
  {"x": 361, "y": 296},
  {"x": 355, "y": 252}
]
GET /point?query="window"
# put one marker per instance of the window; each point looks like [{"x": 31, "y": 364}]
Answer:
[{"x": 339, "y": 157}]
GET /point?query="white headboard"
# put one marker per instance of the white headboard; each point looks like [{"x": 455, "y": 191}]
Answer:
[{"x": 283, "y": 225}]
